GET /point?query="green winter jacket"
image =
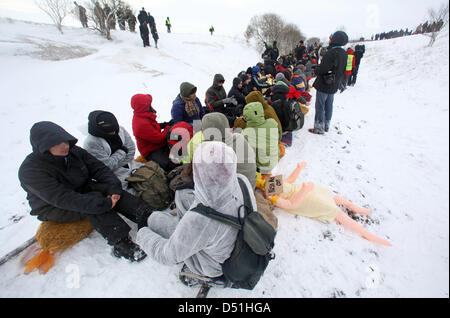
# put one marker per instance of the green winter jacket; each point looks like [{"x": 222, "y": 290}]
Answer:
[
  {"x": 262, "y": 135},
  {"x": 215, "y": 127},
  {"x": 269, "y": 112}
]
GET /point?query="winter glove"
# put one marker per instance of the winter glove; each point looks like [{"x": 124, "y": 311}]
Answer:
[
  {"x": 226, "y": 100},
  {"x": 230, "y": 100},
  {"x": 164, "y": 124}
]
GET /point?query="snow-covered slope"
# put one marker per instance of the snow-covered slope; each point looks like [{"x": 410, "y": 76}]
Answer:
[{"x": 387, "y": 150}]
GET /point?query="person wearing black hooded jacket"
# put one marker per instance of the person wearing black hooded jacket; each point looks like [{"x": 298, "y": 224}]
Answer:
[
  {"x": 236, "y": 92},
  {"x": 64, "y": 184},
  {"x": 329, "y": 74},
  {"x": 216, "y": 96}
]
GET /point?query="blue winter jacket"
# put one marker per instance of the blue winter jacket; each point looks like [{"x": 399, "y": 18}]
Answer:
[{"x": 179, "y": 113}]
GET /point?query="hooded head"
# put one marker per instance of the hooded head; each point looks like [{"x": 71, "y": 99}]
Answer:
[
  {"x": 142, "y": 103},
  {"x": 187, "y": 89},
  {"x": 244, "y": 77},
  {"x": 254, "y": 114},
  {"x": 300, "y": 69},
  {"x": 104, "y": 125},
  {"x": 256, "y": 96},
  {"x": 215, "y": 177},
  {"x": 218, "y": 78},
  {"x": 215, "y": 127},
  {"x": 339, "y": 38},
  {"x": 255, "y": 70},
  {"x": 237, "y": 81},
  {"x": 46, "y": 134},
  {"x": 350, "y": 51}
]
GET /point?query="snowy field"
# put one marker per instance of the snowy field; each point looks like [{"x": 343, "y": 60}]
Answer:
[{"x": 387, "y": 150}]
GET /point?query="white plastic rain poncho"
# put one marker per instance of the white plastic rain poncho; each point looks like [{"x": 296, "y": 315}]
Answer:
[{"x": 200, "y": 242}]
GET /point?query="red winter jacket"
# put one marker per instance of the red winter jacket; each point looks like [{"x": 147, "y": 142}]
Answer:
[
  {"x": 350, "y": 52},
  {"x": 280, "y": 68},
  {"x": 145, "y": 127},
  {"x": 293, "y": 93}
]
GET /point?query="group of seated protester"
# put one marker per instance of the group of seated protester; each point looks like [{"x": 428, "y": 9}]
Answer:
[{"x": 238, "y": 138}]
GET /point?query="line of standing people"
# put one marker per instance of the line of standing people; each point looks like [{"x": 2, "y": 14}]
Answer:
[{"x": 146, "y": 20}]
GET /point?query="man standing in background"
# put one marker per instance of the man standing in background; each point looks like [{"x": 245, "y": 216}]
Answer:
[
  {"x": 329, "y": 74},
  {"x": 82, "y": 15}
]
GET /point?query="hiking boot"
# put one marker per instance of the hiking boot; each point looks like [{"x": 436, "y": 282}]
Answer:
[
  {"x": 327, "y": 126},
  {"x": 126, "y": 248},
  {"x": 191, "y": 279},
  {"x": 316, "y": 131}
]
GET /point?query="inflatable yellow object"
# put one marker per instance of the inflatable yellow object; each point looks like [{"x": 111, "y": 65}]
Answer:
[{"x": 53, "y": 237}]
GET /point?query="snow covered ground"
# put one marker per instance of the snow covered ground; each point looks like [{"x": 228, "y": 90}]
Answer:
[{"x": 387, "y": 150}]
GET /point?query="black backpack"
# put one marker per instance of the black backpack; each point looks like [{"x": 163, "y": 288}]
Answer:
[
  {"x": 290, "y": 114},
  {"x": 253, "y": 248}
]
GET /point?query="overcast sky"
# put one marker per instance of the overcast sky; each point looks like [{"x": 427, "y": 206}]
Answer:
[{"x": 230, "y": 17}]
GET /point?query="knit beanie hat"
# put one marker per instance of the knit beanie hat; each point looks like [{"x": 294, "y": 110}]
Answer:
[
  {"x": 187, "y": 89},
  {"x": 279, "y": 77}
]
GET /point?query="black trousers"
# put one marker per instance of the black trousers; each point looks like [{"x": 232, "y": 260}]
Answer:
[
  {"x": 109, "y": 224},
  {"x": 352, "y": 79},
  {"x": 144, "y": 35},
  {"x": 161, "y": 157}
]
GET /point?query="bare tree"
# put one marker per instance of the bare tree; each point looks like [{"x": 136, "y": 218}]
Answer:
[
  {"x": 102, "y": 13},
  {"x": 289, "y": 38},
  {"x": 57, "y": 10},
  {"x": 313, "y": 40},
  {"x": 270, "y": 27},
  {"x": 437, "y": 20}
]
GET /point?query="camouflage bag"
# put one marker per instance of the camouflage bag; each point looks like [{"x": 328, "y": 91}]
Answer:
[{"x": 151, "y": 185}]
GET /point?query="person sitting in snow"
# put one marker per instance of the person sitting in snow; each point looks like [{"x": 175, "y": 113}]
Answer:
[
  {"x": 187, "y": 107},
  {"x": 269, "y": 112},
  {"x": 199, "y": 242},
  {"x": 215, "y": 127},
  {"x": 112, "y": 145},
  {"x": 64, "y": 183},
  {"x": 237, "y": 92},
  {"x": 263, "y": 135},
  {"x": 257, "y": 82},
  {"x": 216, "y": 98},
  {"x": 316, "y": 202},
  {"x": 151, "y": 136},
  {"x": 299, "y": 79}
]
